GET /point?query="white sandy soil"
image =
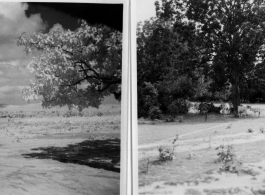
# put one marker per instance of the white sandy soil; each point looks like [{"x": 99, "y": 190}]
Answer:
[
  {"x": 201, "y": 175},
  {"x": 29, "y": 176}
]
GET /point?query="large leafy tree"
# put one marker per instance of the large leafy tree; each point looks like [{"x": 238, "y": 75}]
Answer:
[
  {"x": 233, "y": 34},
  {"x": 169, "y": 57},
  {"x": 74, "y": 67}
]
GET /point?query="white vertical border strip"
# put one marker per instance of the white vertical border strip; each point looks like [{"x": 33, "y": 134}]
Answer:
[
  {"x": 134, "y": 123},
  {"x": 125, "y": 181}
]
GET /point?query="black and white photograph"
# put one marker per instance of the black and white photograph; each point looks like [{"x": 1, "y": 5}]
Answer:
[
  {"x": 201, "y": 97},
  {"x": 60, "y": 97}
]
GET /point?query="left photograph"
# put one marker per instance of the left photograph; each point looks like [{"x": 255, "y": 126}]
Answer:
[{"x": 60, "y": 98}]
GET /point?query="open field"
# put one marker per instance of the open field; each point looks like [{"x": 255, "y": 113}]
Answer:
[
  {"x": 53, "y": 151},
  {"x": 201, "y": 174}
]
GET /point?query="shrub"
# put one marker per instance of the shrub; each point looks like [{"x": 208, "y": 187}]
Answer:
[
  {"x": 166, "y": 153},
  {"x": 179, "y": 106},
  {"x": 250, "y": 130},
  {"x": 68, "y": 114},
  {"x": 173, "y": 91},
  {"x": 227, "y": 157},
  {"x": 145, "y": 165},
  {"x": 155, "y": 113},
  {"x": 100, "y": 114}
]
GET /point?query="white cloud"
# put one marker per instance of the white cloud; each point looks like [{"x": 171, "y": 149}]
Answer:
[
  {"x": 13, "y": 60},
  {"x": 10, "y": 63},
  {"x": 10, "y": 90},
  {"x": 14, "y": 22},
  {"x": 11, "y": 95},
  {"x": 16, "y": 8},
  {"x": 4, "y": 89}
]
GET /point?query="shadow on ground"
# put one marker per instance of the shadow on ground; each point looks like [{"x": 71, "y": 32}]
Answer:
[
  {"x": 199, "y": 119},
  {"x": 102, "y": 154}
]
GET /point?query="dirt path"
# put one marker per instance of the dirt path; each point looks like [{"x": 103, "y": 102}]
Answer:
[
  {"x": 198, "y": 138},
  {"x": 234, "y": 132},
  {"x": 167, "y": 140}
]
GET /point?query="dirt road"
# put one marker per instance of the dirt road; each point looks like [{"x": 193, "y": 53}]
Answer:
[{"x": 201, "y": 175}]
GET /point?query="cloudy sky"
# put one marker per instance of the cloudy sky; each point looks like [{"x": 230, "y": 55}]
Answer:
[
  {"x": 16, "y": 18},
  {"x": 145, "y": 9}
]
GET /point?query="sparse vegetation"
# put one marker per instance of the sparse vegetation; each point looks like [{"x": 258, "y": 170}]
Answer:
[
  {"x": 86, "y": 142},
  {"x": 31, "y": 119},
  {"x": 250, "y": 130},
  {"x": 99, "y": 114},
  {"x": 145, "y": 165},
  {"x": 155, "y": 113},
  {"x": 166, "y": 153},
  {"x": 226, "y": 155},
  {"x": 210, "y": 142}
]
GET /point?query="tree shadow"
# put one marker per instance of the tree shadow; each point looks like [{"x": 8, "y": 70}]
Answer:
[
  {"x": 102, "y": 154},
  {"x": 195, "y": 119},
  {"x": 158, "y": 162}
]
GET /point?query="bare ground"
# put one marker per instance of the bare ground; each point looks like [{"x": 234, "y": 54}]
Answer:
[
  {"x": 55, "y": 155},
  {"x": 202, "y": 175}
]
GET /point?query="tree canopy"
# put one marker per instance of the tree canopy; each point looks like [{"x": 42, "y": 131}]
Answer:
[
  {"x": 169, "y": 58},
  {"x": 203, "y": 50},
  {"x": 74, "y": 67},
  {"x": 233, "y": 34}
]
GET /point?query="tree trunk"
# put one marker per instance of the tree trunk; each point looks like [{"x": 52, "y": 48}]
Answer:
[
  {"x": 236, "y": 103},
  {"x": 235, "y": 94}
]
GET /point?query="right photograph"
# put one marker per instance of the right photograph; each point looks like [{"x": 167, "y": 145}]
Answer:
[{"x": 201, "y": 97}]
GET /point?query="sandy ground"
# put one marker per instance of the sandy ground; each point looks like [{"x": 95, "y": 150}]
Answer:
[
  {"x": 33, "y": 176},
  {"x": 21, "y": 175},
  {"x": 202, "y": 175}
]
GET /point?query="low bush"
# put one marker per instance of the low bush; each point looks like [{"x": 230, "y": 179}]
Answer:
[
  {"x": 178, "y": 106},
  {"x": 145, "y": 165},
  {"x": 100, "y": 114},
  {"x": 166, "y": 153},
  {"x": 226, "y": 155},
  {"x": 155, "y": 113}
]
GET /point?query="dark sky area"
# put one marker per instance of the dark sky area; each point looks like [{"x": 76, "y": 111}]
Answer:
[
  {"x": 17, "y": 18},
  {"x": 67, "y": 14}
]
